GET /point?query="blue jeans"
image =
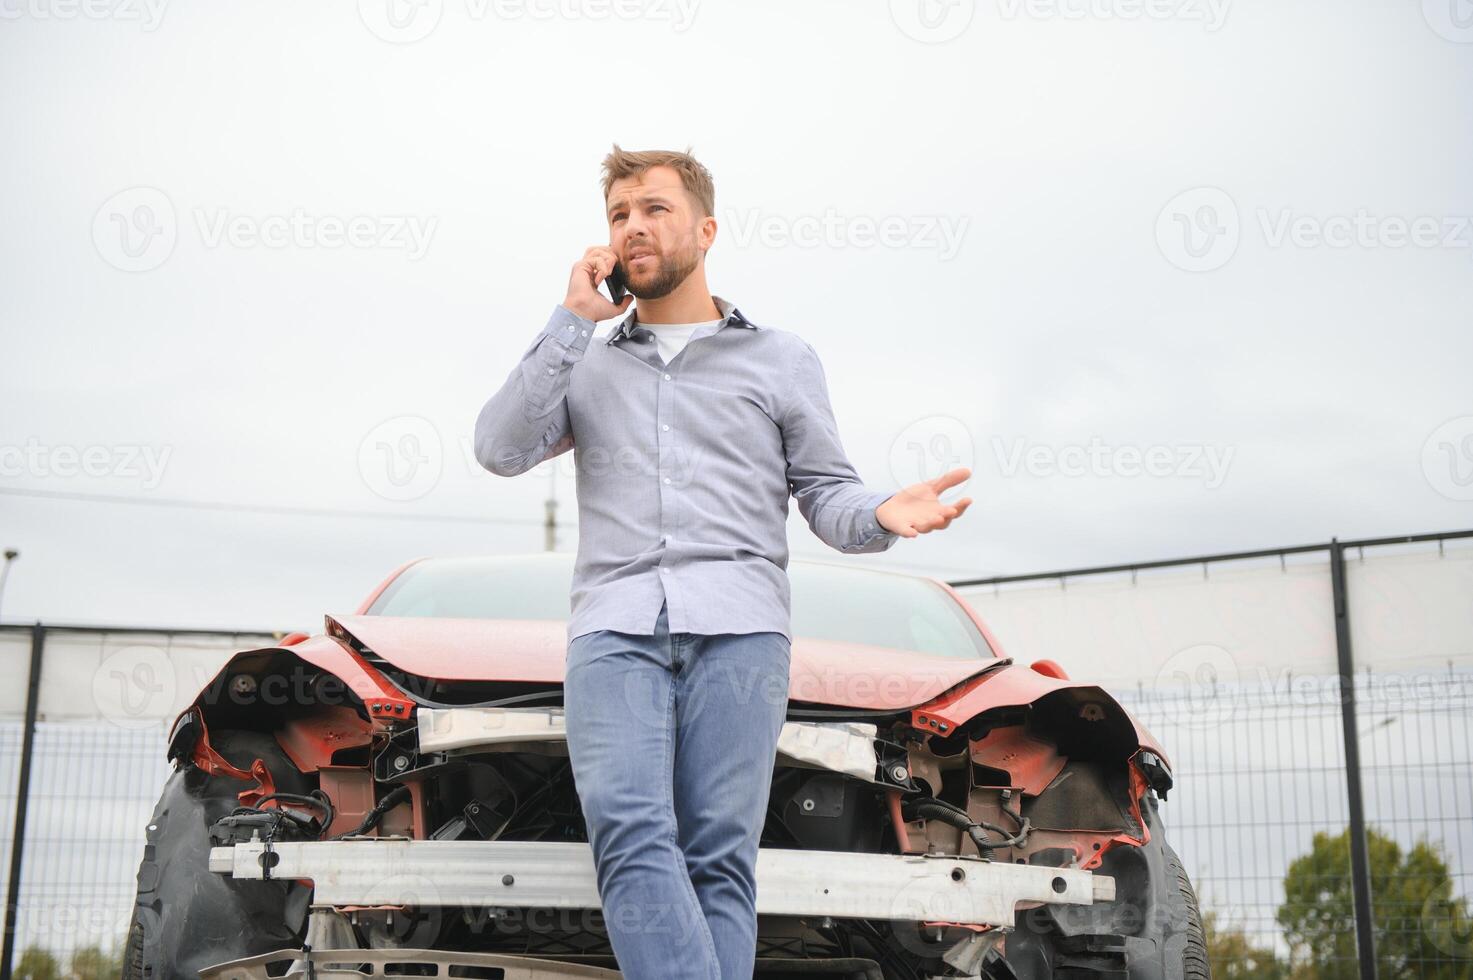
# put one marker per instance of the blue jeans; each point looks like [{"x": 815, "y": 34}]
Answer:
[{"x": 673, "y": 739}]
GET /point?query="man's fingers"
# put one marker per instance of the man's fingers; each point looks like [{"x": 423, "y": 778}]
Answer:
[{"x": 951, "y": 479}]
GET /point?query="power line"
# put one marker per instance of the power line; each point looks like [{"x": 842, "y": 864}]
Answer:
[
  {"x": 220, "y": 505},
  {"x": 282, "y": 509}
]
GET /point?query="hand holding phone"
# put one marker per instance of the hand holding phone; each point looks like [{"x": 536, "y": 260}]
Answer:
[
  {"x": 599, "y": 264},
  {"x": 615, "y": 283}
]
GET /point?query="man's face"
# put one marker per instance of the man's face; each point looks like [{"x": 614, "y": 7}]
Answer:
[{"x": 656, "y": 230}]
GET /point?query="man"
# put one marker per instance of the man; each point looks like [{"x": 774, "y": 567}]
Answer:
[{"x": 690, "y": 427}]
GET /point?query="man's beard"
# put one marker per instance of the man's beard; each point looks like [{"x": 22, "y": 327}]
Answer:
[{"x": 672, "y": 273}]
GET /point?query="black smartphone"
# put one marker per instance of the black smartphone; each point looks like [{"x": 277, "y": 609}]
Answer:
[{"x": 615, "y": 282}]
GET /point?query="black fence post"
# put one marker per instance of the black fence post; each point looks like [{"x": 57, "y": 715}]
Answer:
[
  {"x": 22, "y": 793},
  {"x": 1360, "y": 864}
]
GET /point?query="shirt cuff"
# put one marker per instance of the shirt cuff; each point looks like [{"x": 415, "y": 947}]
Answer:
[
  {"x": 569, "y": 329},
  {"x": 870, "y": 528}
]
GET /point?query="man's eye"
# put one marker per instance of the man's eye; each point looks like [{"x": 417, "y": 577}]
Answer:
[{"x": 657, "y": 207}]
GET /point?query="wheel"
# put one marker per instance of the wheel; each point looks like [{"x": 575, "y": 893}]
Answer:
[
  {"x": 133, "y": 951},
  {"x": 1151, "y": 931},
  {"x": 1195, "y": 962},
  {"x": 187, "y": 917}
]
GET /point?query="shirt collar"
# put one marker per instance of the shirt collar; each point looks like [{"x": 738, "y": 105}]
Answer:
[{"x": 729, "y": 315}]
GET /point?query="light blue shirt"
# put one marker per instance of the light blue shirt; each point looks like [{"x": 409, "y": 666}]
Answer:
[{"x": 683, "y": 469}]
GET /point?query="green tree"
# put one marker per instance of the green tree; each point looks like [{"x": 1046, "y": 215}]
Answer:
[
  {"x": 37, "y": 963},
  {"x": 1232, "y": 955},
  {"x": 1420, "y": 928},
  {"x": 91, "y": 963}
]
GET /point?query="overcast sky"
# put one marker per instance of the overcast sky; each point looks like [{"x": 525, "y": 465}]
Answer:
[{"x": 1171, "y": 276}]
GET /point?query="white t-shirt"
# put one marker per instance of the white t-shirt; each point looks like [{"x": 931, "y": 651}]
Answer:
[{"x": 671, "y": 338}]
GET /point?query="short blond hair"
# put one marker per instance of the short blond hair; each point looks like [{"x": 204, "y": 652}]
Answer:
[{"x": 693, "y": 175}]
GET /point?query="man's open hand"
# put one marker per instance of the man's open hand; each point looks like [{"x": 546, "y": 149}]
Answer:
[{"x": 917, "y": 509}]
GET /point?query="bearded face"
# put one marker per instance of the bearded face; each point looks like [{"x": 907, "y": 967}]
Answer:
[
  {"x": 651, "y": 273},
  {"x": 654, "y": 228}
]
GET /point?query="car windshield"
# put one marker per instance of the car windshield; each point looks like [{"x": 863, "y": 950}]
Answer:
[{"x": 830, "y": 602}]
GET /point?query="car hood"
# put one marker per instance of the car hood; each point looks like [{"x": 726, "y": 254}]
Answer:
[{"x": 852, "y": 675}]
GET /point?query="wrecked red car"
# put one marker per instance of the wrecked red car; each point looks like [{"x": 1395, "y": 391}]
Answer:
[{"x": 393, "y": 795}]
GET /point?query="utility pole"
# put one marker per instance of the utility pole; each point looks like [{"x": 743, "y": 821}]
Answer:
[
  {"x": 549, "y": 525},
  {"x": 10, "y": 555}
]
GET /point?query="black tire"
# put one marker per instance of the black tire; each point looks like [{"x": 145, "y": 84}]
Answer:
[
  {"x": 1195, "y": 963},
  {"x": 1152, "y": 931},
  {"x": 133, "y": 952},
  {"x": 187, "y": 917}
]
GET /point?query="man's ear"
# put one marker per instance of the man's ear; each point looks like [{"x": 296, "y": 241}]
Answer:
[{"x": 707, "y": 232}]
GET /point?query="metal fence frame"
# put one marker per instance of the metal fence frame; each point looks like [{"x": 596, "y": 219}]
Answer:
[
  {"x": 1360, "y": 866},
  {"x": 38, "y": 633},
  {"x": 1335, "y": 548}
]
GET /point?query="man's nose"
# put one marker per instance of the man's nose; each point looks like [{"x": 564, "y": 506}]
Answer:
[{"x": 634, "y": 227}]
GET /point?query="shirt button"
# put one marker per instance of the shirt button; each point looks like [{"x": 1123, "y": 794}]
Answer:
[
  {"x": 585, "y": 333},
  {"x": 664, "y": 571},
  {"x": 667, "y": 377},
  {"x": 551, "y": 371},
  {"x": 570, "y": 326},
  {"x": 667, "y": 479},
  {"x": 665, "y": 427}
]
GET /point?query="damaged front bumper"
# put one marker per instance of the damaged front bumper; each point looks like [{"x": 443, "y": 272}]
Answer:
[
  {"x": 472, "y": 876},
  {"x": 403, "y": 873},
  {"x": 543, "y": 874}
]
